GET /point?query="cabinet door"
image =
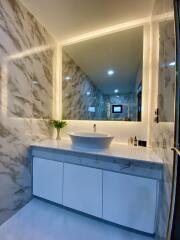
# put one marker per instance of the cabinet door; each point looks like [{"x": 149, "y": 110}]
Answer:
[
  {"x": 130, "y": 201},
  {"x": 48, "y": 179},
  {"x": 83, "y": 189}
]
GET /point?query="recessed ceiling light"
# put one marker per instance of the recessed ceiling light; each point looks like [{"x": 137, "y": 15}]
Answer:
[
  {"x": 116, "y": 90},
  {"x": 88, "y": 93},
  {"x": 35, "y": 82},
  {"x": 67, "y": 78},
  {"x": 172, "y": 63},
  {"x": 110, "y": 72}
]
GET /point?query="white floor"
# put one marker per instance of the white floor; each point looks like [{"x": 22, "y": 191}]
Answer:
[{"x": 39, "y": 220}]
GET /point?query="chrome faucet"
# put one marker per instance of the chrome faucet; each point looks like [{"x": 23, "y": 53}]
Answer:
[{"x": 94, "y": 128}]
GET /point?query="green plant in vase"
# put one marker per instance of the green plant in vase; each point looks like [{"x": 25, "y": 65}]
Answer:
[{"x": 58, "y": 125}]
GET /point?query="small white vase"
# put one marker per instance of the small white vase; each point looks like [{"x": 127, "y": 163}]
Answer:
[{"x": 58, "y": 134}]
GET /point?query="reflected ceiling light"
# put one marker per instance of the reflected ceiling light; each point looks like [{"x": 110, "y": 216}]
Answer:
[
  {"x": 88, "y": 93},
  {"x": 172, "y": 63},
  {"x": 35, "y": 82},
  {"x": 67, "y": 78},
  {"x": 110, "y": 72},
  {"x": 117, "y": 96},
  {"x": 116, "y": 90}
]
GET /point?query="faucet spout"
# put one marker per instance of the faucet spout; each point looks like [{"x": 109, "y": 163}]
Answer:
[{"x": 94, "y": 128}]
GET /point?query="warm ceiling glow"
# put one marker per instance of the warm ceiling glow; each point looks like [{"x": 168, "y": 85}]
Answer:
[
  {"x": 107, "y": 30},
  {"x": 29, "y": 52}
]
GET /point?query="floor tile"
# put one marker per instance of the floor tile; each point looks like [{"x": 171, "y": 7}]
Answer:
[{"x": 39, "y": 220}]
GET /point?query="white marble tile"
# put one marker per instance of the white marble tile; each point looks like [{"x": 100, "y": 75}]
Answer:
[
  {"x": 40, "y": 220},
  {"x": 163, "y": 86},
  {"x": 115, "y": 150},
  {"x": 25, "y": 93}
]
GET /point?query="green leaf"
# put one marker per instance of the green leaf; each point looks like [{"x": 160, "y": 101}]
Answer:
[{"x": 58, "y": 124}]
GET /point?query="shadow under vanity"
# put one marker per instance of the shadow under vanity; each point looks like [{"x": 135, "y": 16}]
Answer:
[{"x": 119, "y": 185}]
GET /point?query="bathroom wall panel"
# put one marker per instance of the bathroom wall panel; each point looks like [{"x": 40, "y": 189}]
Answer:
[
  {"x": 16, "y": 27},
  {"x": 26, "y": 87},
  {"x": 42, "y": 84},
  {"x": 166, "y": 83},
  {"x": 163, "y": 81},
  {"x": 15, "y": 177},
  {"x": 30, "y": 86},
  {"x": 19, "y": 88}
]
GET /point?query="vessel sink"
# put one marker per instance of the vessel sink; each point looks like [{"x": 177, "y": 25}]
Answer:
[{"x": 90, "y": 140}]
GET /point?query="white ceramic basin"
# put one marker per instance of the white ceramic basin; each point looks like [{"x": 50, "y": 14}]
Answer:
[{"x": 91, "y": 140}]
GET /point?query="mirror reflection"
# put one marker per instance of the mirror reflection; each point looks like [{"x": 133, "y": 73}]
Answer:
[{"x": 102, "y": 77}]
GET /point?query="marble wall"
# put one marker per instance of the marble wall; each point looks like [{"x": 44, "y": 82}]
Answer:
[
  {"x": 163, "y": 84},
  {"x": 166, "y": 83},
  {"x": 79, "y": 93},
  {"x": 26, "y": 93}
]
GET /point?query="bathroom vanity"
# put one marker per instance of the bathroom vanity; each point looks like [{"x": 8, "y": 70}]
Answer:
[{"x": 120, "y": 184}]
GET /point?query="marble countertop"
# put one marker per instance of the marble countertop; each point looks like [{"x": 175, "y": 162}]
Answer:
[{"x": 116, "y": 150}]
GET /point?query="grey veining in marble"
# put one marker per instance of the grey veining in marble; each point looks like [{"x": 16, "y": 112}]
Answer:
[
  {"x": 79, "y": 93},
  {"x": 162, "y": 134},
  {"x": 119, "y": 158},
  {"x": 26, "y": 83},
  {"x": 166, "y": 83}
]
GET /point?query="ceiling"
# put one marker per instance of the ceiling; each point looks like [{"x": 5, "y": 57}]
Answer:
[
  {"x": 122, "y": 52},
  {"x": 65, "y": 19}
]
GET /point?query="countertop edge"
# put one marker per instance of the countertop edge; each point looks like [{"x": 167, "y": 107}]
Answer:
[{"x": 99, "y": 155}]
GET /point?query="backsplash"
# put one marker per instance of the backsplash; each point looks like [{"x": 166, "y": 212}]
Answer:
[
  {"x": 163, "y": 75},
  {"x": 26, "y": 92}
]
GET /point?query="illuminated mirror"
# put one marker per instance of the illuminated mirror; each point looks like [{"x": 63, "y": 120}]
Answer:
[{"x": 102, "y": 77}]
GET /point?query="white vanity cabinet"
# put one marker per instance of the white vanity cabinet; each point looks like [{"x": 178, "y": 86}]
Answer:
[
  {"x": 130, "y": 201},
  {"x": 124, "y": 199},
  {"x": 83, "y": 189},
  {"x": 48, "y": 179}
]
